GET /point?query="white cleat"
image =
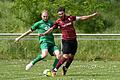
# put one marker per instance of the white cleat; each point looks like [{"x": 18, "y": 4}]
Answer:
[{"x": 28, "y": 66}]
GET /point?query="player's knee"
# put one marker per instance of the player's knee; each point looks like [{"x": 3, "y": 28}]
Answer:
[
  {"x": 71, "y": 56},
  {"x": 57, "y": 54},
  {"x": 44, "y": 53},
  {"x": 65, "y": 55}
]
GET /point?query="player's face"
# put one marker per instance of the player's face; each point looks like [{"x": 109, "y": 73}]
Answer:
[
  {"x": 44, "y": 16},
  {"x": 61, "y": 14}
]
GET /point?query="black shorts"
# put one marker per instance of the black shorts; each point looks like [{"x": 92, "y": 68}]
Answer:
[{"x": 69, "y": 46}]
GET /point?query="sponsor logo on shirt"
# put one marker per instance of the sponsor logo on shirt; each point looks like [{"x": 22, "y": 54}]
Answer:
[
  {"x": 67, "y": 24},
  {"x": 47, "y": 27}
]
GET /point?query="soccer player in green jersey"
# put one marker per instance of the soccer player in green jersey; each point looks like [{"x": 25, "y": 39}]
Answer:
[{"x": 47, "y": 43}]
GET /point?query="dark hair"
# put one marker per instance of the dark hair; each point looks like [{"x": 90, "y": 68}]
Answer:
[{"x": 61, "y": 9}]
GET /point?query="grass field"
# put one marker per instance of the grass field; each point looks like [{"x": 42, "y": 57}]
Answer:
[{"x": 79, "y": 70}]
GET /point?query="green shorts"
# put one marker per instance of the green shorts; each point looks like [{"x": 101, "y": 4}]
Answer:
[{"x": 51, "y": 47}]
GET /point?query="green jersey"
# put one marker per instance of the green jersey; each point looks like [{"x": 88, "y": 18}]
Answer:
[{"x": 42, "y": 26}]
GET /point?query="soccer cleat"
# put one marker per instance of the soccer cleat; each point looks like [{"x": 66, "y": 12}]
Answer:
[
  {"x": 29, "y": 66},
  {"x": 64, "y": 70},
  {"x": 53, "y": 73}
]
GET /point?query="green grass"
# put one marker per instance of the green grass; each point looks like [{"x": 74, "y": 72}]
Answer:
[
  {"x": 87, "y": 49},
  {"x": 79, "y": 70}
]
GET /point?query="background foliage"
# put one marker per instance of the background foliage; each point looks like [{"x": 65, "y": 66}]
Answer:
[{"x": 23, "y": 13}]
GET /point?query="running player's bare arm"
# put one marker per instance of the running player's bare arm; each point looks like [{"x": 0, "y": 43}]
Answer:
[
  {"x": 48, "y": 31},
  {"x": 86, "y": 17},
  {"x": 24, "y": 34}
]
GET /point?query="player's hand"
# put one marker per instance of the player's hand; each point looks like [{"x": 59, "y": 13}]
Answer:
[
  {"x": 17, "y": 39},
  {"x": 95, "y": 14},
  {"x": 41, "y": 34}
]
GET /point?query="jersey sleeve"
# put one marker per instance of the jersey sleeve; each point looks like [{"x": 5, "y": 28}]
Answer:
[
  {"x": 73, "y": 18},
  {"x": 35, "y": 26}
]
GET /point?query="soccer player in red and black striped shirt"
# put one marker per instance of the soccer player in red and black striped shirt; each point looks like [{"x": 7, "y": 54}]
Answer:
[{"x": 69, "y": 42}]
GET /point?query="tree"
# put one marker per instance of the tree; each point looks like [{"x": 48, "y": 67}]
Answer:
[{"x": 29, "y": 11}]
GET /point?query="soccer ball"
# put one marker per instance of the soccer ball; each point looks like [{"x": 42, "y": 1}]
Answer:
[{"x": 47, "y": 72}]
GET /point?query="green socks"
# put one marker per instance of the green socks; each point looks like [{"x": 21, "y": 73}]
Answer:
[
  {"x": 55, "y": 63},
  {"x": 38, "y": 58}
]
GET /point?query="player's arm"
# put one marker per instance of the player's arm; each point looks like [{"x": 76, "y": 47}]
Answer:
[
  {"x": 34, "y": 27},
  {"x": 48, "y": 31},
  {"x": 24, "y": 34},
  {"x": 86, "y": 17}
]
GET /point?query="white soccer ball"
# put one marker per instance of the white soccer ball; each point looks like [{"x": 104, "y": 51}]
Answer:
[{"x": 47, "y": 72}]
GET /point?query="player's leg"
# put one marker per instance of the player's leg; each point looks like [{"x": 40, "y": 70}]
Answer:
[
  {"x": 55, "y": 63},
  {"x": 44, "y": 49},
  {"x": 63, "y": 58},
  {"x": 40, "y": 56},
  {"x": 57, "y": 56},
  {"x": 68, "y": 63},
  {"x": 54, "y": 51},
  {"x": 73, "y": 46},
  {"x": 61, "y": 61}
]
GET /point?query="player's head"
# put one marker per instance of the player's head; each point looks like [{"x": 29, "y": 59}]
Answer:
[
  {"x": 61, "y": 12},
  {"x": 44, "y": 15}
]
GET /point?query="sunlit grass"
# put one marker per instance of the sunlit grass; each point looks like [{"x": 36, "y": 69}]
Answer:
[{"x": 79, "y": 70}]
